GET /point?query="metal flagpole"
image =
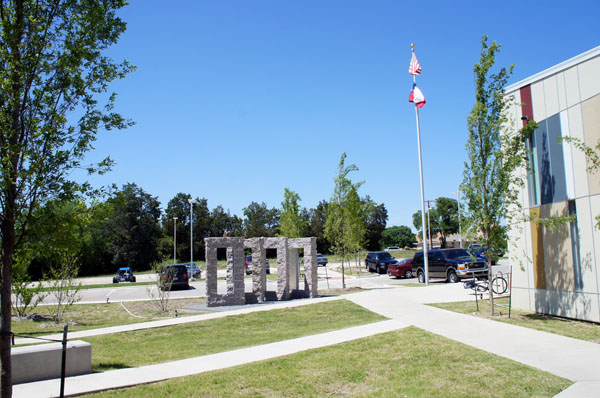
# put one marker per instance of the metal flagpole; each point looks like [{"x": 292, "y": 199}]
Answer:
[{"x": 424, "y": 240}]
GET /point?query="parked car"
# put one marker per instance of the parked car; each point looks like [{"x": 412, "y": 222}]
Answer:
[
  {"x": 193, "y": 270},
  {"x": 450, "y": 264},
  {"x": 401, "y": 268},
  {"x": 124, "y": 274},
  {"x": 174, "y": 276},
  {"x": 391, "y": 248},
  {"x": 379, "y": 262},
  {"x": 480, "y": 250},
  {"x": 321, "y": 259},
  {"x": 250, "y": 268}
]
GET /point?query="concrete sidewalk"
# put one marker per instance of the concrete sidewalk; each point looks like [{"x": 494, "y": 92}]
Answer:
[{"x": 572, "y": 359}]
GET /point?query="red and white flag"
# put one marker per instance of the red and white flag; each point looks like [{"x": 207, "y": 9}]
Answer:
[
  {"x": 416, "y": 96},
  {"x": 414, "y": 68}
]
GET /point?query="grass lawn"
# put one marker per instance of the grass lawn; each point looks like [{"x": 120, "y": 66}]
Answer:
[
  {"x": 105, "y": 285},
  {"x": 566, "y": 327},
  {"x": 405, "y": 363},
  {"x": 145, "y": 347},
  {"x": 339, "y": 291},
  {"x": 93, "y": 316},
  {"x": 400, "y": 254}
]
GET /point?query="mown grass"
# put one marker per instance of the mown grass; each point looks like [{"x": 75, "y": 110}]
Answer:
[
  {"x": 93, "y": 316},
  {"x": 405, "y": 363},
  {"x": 145, "y": 347},
  {"x": 565, "y": 327},
  {"x": 106, "y": 285}
]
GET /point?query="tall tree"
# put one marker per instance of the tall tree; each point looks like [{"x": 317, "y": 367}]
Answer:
[
  {"x": 317, "y": 217},
  {"x": 431, "y": 219},
  {"x": 51, "y": 68},
  {"x": 178, "y": 207},
  {"x": 446, "y": 217},
  {"x": 400, "y": 236},
  {"x": 134, "y": 229},
  {"x": 57, "y": 227},
  {"x": 202, "y": 226},
  {"x": 345, "y": 223},
  {"x": 490, "y": 183},
  {"x": 260, "y": 220},
  {"x": 376, "y": 220},
  {"x": 292, "y": 224}
]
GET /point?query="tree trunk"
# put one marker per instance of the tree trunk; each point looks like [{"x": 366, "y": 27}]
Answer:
[
  {"x": 343, "y": 276},
  {"x": 490, "y": 288},
  {"x": 8, "y": 243}
]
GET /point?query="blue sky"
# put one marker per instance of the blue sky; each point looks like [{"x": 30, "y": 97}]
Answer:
[{"x": 236, "y": 100}]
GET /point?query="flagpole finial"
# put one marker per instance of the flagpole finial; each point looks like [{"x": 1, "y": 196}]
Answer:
[{"x": 412, "y": 46}]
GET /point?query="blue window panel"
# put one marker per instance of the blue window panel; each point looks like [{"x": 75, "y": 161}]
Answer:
[
  {"x": 533, "y": 176},
  {"x": 557, "y": 160},
  {"x": 544, "y": 165},
  {"x": 550, "y": 161}
]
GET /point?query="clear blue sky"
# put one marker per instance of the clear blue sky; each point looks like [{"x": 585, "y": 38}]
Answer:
[{"x": 236, "y": 100}]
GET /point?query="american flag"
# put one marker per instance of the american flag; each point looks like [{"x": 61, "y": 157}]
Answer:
[{"x": 414, "y": 68}]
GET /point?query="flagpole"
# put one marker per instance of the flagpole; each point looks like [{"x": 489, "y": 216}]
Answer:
[{"x": 424, "y": 239}]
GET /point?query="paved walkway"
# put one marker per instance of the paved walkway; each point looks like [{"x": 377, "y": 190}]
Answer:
[{"x": 572, "y": 359}]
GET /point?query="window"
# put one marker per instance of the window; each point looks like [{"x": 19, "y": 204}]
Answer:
[{"x": 533, "y": 177}]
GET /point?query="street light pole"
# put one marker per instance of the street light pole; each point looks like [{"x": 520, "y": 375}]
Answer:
[
  {"x": 191, "y": 202},
  {"x": 174, "y": 240},
  {"x": 459, "y": 222}
]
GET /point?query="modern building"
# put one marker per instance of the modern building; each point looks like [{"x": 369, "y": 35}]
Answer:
[{"x": 556, "y": 270}]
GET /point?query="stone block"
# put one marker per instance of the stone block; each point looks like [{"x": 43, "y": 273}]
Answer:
[{"x": 43, "y": 361}]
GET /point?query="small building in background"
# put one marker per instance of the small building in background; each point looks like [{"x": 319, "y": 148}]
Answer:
[{"x": 556, "y": 271}]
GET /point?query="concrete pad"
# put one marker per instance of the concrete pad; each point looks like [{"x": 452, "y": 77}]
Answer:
[{"x": 582, "y": 389}]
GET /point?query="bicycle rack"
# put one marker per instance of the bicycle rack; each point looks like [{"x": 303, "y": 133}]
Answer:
[{"x": 506, "y": 293}]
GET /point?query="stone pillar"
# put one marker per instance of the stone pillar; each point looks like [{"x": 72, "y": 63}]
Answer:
[
  {"x": 235, "y": 271},
  {"x": 281, "y": 244},
  {"x": 211, "y": 270},
  {"x": 310, "y": 262},
  {"x": 293, "y": 266},
  {"x": 259, "y": 274}
]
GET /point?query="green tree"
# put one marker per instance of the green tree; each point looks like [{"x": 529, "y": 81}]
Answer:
[
  {"x": 345, "y": 222},
  {"x": 202, "y": 225},
  {"x": 292, "y": 224},
  {"x": 431, "y": 218},
  {"x": 400, "y": 236},
  {"x": 178, "y": 207},
  {"x": 446, "y": 217},
  {"x": 57, "y": 226},
  {"x": 224, "y": 224},
  {"x": 51, "y": 70},
  {"x": 376, "y": 220},
  {"x": 96, "y": 257},
  {"x": 490, "y": 184},
  {"x": 27, "y": 297},
  {"x": 260, "y": 220},
  {"x": 133, "y": 229},
  {"x": 317, "y": 218}
]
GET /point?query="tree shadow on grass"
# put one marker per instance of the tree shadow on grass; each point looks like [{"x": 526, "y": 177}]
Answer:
[{"x": 104, "y": 366}]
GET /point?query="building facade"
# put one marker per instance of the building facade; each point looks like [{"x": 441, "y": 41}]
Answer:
[{"x": 555, "y": 269}]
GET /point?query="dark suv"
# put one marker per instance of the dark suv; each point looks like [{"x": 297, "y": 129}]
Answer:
[
  {"x": 174, "y": 276},
  {"x": 450, "y": 264},
  {"x": 379, "y": 261}
]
